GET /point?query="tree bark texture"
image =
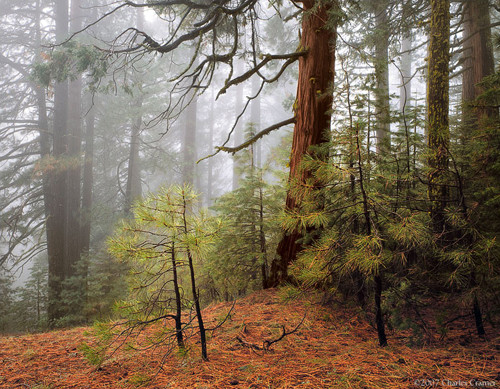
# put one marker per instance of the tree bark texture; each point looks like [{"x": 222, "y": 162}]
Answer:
[
  {"x": 437, "y": 110},
  {"x": 478, "y": 56},
  {"x": 382, "y": 107},
  {"x": 312, "y": 114}
]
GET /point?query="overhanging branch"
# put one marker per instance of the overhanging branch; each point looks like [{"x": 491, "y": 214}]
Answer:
[
  {"x": 256, "y": 137},
  {"x": 292, "y": 57}
]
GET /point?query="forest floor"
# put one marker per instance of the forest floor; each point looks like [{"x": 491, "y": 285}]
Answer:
[{"x": 334, "y": 347}]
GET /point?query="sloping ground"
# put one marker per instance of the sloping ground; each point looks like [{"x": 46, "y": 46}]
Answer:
[{"x": 333, "y": 348}]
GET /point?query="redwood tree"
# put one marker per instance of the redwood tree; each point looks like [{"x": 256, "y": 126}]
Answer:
[
  {"x": 312, "y": 115},
  {"x": 478, "y": 54}
]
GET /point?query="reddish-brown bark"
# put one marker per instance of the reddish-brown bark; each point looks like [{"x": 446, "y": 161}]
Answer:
[
  {"x": 314, "y": 101},
  {"x": 478, "y": 53}
]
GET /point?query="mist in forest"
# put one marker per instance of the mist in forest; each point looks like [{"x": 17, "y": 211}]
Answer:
[{"x": 161, "y": 156}]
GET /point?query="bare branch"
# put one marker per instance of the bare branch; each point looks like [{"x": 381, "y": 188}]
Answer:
[
  {"x": 256, "y": 137},
  {"x": 267, "y": 343}
]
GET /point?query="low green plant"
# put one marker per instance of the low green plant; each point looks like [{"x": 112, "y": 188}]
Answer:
[{"x": 139, "y": 379}]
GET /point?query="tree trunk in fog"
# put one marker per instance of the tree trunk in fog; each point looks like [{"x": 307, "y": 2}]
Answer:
[
  {"x": 73, "y": 196},
  {"x": 88, "y": 175},
  {"x": 405, "y": 89},
  {"x": 55, "y": 237},
  {"x": 210, "y": 166},
  {"x": 133, "y": 190},
  {"x": 189, "y": 140},
  {"x": 255, "y": 119},
  {"x": 239, "y": 130},
  {"x": 44, "y": 136},
  {"x": 478, "y": 55},
  {"x": 314, "y": 100},
  {"x": 437, "y": 110},
  {"x": 382, "y": 106}
]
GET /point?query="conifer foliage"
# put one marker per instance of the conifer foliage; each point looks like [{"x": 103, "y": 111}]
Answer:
[{"x": 160, "y": 245}]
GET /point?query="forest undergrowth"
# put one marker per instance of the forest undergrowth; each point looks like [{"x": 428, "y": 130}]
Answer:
[{"x": 334, "y": 346}]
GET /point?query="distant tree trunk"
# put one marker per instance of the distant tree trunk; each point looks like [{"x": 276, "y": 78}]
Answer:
[
  {"x": 133, "y": 190},
  {"x": 314, "y": 100},
  {"x": 404, "y": 103},
  {"x": 210, "y": 165},
  {"x": 88, "y": 177},
  {"x": 189, "y": 141},
  {"x": 478, "y": 63},
  {"x": 58, "y": 186},
  {"x": 255, "y": 119},
  {"x": 382, "y": 107},
  {"x": 478, "y": 56},
  {"x": 73, "y": 177},
  {"x": 44, "y": 137},
  {"x": 406, "y": 58},
  {"x": 48, "y": 176},
  {"x": 437, "y": 110},
  {"x": 239, "y": 130}
]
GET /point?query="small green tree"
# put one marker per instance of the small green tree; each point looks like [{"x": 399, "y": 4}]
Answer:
[
  {"x": 160, "y": 246},
  {"x": 31, "y": 299},
  {"x": 249, "y": 232},
  {"x": 6, "y": 296}
]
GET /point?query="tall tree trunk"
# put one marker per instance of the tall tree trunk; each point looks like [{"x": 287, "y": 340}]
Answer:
[
  {"x": 438, "y": 131},
  {"x": 44, "y": 140},
  {"x": 255, "y": 119},
  {"x": 239, "y": 130},
  {"x": 189, "y": 141},
  {"x": 88, "y": 176},
  {"x": 405, "y": 89},
  {"x": 210, "y": 163},
  {"x": 478, "y": 63},
  {"x": 58, "y": 180},
  {"x": 133, "y": 190},
  {"x": 314, "y": 101},
  {"x": 382, "y": 107},
  {"x": 73, "y": 195},
  {"x": 404, "y": 101},
  {"x": 478, "y": 56}
]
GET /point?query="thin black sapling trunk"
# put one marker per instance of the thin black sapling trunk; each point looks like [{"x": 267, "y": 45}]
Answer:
[
  {"x": 478, "y": 317},
  {"x": 178, "y": 307},
  {"x": 382, "y": 338},
  {"x": 358, "y": 277},
  {"x": 262, "y": 239},
  {"x": 201, "y": 326},
  {"x": 476, "y": 307}
]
